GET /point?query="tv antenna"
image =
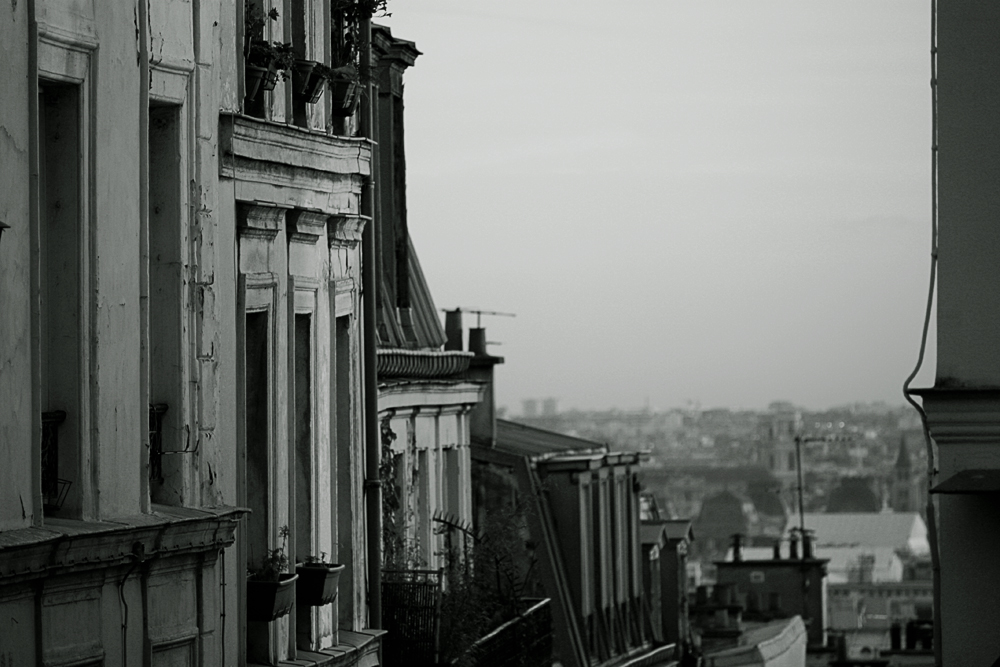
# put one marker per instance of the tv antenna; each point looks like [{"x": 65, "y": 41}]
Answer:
[{"x": 479, "y": 314}]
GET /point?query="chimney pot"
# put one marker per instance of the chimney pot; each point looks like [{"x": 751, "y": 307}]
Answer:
[
  {"x": 453, "y": 329},
  {"x": 477, "y": 341}
]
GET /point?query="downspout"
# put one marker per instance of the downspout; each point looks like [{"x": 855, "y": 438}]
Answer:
[
  {"x": 142, "y": 34},
  {"x": 369, "y": 290}
]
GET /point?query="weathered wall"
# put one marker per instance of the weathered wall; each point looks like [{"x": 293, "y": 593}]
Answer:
[
  {"x": 17, "y": 491},
  {"x": 969, "y": 197},
  {"x": 116, "y": 264},
  {"x": 968, "y": 322}
]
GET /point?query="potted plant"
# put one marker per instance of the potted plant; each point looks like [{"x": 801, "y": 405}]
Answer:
[
  {"x": 308, "y": 79},
  {"x": 344, "y": 88},
  {"x": 271, "y": 591},
  {"x": 318, "y": 581},
  {"x": 344, "y": 77},
  {"x": 263, "y": 59}
]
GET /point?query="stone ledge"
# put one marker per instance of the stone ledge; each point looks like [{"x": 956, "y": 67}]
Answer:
[
  {"x": 258, "y": 140},
  {"x": 65, "y": 545},
  {"x": 356, "y": 649}
]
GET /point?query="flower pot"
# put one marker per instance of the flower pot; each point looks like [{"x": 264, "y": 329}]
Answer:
[
  {"x": 307, "y": 83},
  {"x": 268, "y": 600},
  {"x": 318, "y": 583},
  {"x": 344, "y": 93},
  {"x": 259, "y": 78}
]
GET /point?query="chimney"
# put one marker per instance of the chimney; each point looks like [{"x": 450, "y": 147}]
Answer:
[
  {"x": 807, "y": 545},
  {"x": 482, "y": 418},
  {"x": 793, "y": 546},
  {"x": 477, "y": 341},
  {"x": 453, "y": 329},
  {"x": 777, "y": 550},
  {"x": 737, "y": 548}
]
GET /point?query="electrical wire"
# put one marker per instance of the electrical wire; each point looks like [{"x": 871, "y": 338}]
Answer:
[{"x": 907, "y": 392}]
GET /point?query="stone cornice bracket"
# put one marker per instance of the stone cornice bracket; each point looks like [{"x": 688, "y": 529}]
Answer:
[
  {"x": 962, "y": 416},
  {"x": 346, "y": 227},
  {"x": 256, "y": 221},
  {"x": 305, "y": 226}
]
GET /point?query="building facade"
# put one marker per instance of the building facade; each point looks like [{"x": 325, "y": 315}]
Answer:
[
  {"x": 185, "y": 335},
  {"x": 963, "y": 406}
]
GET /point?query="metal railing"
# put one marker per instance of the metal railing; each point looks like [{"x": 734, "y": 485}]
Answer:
[
  {"x": 525, "y": 640},
  {"x": 156, "y": 412}
]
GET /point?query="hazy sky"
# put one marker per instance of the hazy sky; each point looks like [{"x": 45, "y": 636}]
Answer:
[{"x": 724, "y": 202}]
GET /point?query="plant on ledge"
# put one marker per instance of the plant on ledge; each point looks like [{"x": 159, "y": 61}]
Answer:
[
  {"x": 318, "y": 581},
  {"x": 263, "y": 59},
  {"x": 270, "y": 591},
  {"x": 344, "y": 76}
]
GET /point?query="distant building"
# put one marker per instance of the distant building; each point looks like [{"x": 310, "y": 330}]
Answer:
[
  {"x": 904, "y": 532},
  {"x": 777, "y": 447},
  {"x": 855, "y": 494},
  {"x": 907, "y": 486}
]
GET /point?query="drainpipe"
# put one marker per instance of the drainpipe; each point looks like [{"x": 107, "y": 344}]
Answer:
[{"x": 369, "y": 278}]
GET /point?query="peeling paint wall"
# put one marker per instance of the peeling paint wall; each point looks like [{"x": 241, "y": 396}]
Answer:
[
  {"x": 194, "y": 72},
  {"x": 17, "y": 403}
]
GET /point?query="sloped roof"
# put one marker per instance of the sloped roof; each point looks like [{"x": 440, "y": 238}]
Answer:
[
  {"x": 427, "y": 332},
  {"x": 897, "y": 530},
  {"x": 522, "y": 440}
]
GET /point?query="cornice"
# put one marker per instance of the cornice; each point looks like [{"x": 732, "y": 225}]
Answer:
[
  {"x": 421, "y": 364},
  {"x": 279, "y": 144},
  {"x": 63, "y": 546},
  {"x": 962, "y": 415}
]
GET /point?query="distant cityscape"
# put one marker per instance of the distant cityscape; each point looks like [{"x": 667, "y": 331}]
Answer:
[{"x": 735, "y": 476}]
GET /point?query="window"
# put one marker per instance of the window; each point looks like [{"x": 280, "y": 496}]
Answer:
[
  {"x": 257, "y": 438},
  {"x": 61, "y": 294},
  {"x": 303, "y": 424},
  {"x": 168, "y": 468}
]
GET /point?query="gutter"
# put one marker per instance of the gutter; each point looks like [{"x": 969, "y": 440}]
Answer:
[{"x": 369, "y": 290}]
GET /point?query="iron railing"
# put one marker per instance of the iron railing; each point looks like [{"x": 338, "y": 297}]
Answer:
[
  {"x": 525, "y": 640},
  {"x": 411, "y": 613},
  {"x": 156, "y": 412}
]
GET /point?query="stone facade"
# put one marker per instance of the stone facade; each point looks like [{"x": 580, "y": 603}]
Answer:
[{"x": 182, "y": 338}]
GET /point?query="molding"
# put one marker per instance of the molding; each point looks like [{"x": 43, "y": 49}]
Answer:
[
  {"x": 64, "y": 546},
  {"x": 393, "y": 398},
  {"x": 305, "y": 226},
  {"x": 268, "y": 147},
  {"x": 168, "y": 80},
  {"x": 962, "y": 416},
  {"x": 421, "y": 364},
  {"x": 262, "y": 222},
  {"x": 346, "y": 227}
]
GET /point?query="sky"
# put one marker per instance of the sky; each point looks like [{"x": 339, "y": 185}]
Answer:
[{"x": 683, "y": 202}]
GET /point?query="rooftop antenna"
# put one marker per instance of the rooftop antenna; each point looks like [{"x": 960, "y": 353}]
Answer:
[{"x": 479, "y": 314}]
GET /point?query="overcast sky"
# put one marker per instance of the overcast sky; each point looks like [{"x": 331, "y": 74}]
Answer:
[{"x": 720, "y": 202}]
